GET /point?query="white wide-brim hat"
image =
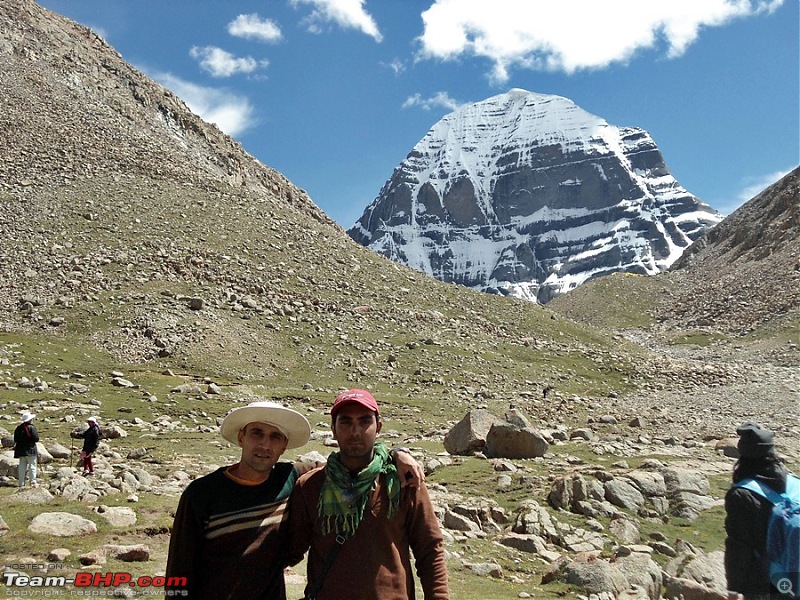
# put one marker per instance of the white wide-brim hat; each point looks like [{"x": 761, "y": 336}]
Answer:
[
  {"x": 27, "y": 417},
  {"x": 92, "y": 419},
  {"x": 290, "y": 422}
]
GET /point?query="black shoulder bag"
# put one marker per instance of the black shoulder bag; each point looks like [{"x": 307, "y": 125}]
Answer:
[{"x": 312, "y": 589}]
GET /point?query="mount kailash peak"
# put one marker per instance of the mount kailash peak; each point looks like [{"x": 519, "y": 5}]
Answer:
[{"x": 529, "y": 195}]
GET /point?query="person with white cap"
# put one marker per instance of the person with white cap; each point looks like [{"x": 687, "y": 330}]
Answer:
[
  {"x": 25, "y": 439},
  {"x": 91, "y": 441},
  {"x": 229, "y": 536}
]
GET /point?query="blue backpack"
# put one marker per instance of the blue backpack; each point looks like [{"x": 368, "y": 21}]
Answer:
[{"x": 783, "y": 535}]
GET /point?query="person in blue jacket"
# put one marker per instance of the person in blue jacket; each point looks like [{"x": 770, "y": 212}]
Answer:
[{"x": 748, "y": 514}]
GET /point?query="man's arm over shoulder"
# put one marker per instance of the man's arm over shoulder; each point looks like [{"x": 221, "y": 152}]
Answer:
[
  {"x": 427, "y": 543},
  {"x": 303, "y": 513}
]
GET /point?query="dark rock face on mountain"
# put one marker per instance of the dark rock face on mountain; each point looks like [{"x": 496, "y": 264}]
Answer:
[{"x": 528, "y": 195}]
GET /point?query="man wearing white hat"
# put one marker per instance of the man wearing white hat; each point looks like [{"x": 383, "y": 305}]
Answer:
[
  {"x": 229, "y": 537},
  {"x": 25, "y": 439}
]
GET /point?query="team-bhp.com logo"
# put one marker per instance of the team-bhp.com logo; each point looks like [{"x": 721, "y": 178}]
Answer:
[{"x": 88, "y": 584}]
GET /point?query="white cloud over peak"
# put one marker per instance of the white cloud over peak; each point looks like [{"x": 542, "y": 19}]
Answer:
[
  {"x": 349, "y": 14},
  {"x": 570, "y": 35},
  {"x": 438, "y": 100},
  {"x": 756, "y": 185},
  {"x": 232, "y": 114},
  {"x": 221, "y": 63},
  {"x": 253, "y": 27}
]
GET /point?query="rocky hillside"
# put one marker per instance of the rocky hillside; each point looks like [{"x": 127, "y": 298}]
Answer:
[
  {"x": 741, "y": 278},
  {"x": 744, "y": 272},
  {"x": 74, "y": 109},
  {"x": 131, "y": 225}
]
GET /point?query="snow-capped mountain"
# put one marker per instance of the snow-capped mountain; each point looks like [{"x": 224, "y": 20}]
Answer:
[{"x": 529, "y": 195}]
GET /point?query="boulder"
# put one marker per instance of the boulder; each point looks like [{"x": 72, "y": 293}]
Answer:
[
  {"x": 29, "y": 495},
  {"x": 118, "y": 516},
  {"x": 61, "y": 524},
  {"x": 134, "y": 553},
  {"x": 468, "y": 436},
  {"x": 678, "y": 588},
  {"x": 58, "y": 451},
  {"x": 692, "y": 564},
  {"x": 641, "y": 571},
  {"x": 532, "y": 518},
  {"x": 507, "y": 440},
  {"x": 524, "y": 542},
  {"x": 594, "y": 575},
  {"x": 687, "y": 492},
  {"x": 623, "y": 494}
]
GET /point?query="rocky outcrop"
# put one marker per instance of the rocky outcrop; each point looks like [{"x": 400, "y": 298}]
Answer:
[{"x": 509, "y": 437}]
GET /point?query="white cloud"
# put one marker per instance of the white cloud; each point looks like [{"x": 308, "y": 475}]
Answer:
[
  {"x": 232, "y": 114},
  {"x": 253, "y": 27},
  {"x": 757, "y": 184},
  {"x": 349, "y": 14},
  {"x": 438, "y": 100},
  {"x": 570, "y": 35},
  {"x": 397, "y": 65},
  {"x": 221, "y": 63}
]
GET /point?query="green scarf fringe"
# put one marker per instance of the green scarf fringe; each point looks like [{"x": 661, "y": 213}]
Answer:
[{"x": 344, "y": 497}]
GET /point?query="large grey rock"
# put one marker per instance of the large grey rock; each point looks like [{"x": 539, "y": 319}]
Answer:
[
  {"x": 134, "y": 553},
  {"x": 9, "y": 466},
  {"x": 625, "y": 530},
  {"x": 523, "y": 542},
  {"x": 45, "y": 457},
  {"x": 687, "y": 492},
  {"x": 692, "y": 564},
  {"x": 29, "y": 495},
  {"x": 61, "y": 524},
  {"x": 506, "y": 440},
  {"x": 459, "y": 522},
  {"x": 118, "y": 516},
  {"x": 468, "y": 436},
  {"x": 570, "y": 492},
  {"x": 678, "y": 588},
  {"x": 594, "y": 575},
  {"x": 58, "y": 451},
  {"x": 623, "y": 494},
  {"x": 642, "y": 571},
  {"x": 533, "y": 519},
  {"x": 650, "y": 483}
]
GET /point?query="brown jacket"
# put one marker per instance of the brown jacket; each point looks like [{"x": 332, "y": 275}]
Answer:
[{"x": 375, "y": 564}]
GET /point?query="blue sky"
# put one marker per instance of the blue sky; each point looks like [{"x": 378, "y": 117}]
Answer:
[{"x": 335, "y": 93}]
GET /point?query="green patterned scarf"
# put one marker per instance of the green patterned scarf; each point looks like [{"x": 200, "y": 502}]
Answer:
[{"x": 344, "y": 497}]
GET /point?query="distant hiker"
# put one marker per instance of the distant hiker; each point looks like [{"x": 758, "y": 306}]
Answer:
[
  {"x": 229, "y": 536},
  {"x": 359, "y": 526},
  {"x": 91, "y": 440},
  {"x": 25, "y": 438},
  {"x": 754, "y": 538}
]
